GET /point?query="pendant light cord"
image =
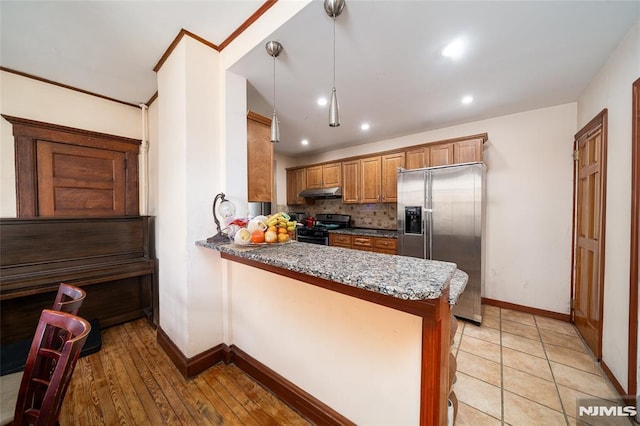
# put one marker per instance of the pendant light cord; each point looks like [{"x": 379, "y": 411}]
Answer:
[
  {"x": 274, "y": 84},
  {"x": 334, "y": 51}
]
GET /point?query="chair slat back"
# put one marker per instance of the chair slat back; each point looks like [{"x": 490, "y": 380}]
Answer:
[
  {"x": 48, "y": 370},
  {"x": 69, "y": 299}
]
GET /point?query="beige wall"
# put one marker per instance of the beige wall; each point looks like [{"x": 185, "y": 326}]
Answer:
[
  {"x": 199, "y": 122},
  {"x": 529, "y": 192},
  {"x": 611, "y": 89},
  {"x": 361, "y": 359},
  {"x": 28, "y": 98}
]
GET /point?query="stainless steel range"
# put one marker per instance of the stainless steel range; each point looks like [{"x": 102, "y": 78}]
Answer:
[{"x": 323, "y": 223}]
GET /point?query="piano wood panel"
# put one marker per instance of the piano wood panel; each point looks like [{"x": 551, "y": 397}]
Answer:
[{"x": 110, "y": 258}]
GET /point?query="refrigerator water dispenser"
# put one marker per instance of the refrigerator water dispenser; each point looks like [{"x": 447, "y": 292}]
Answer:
[{"x": 413, "y": 220}]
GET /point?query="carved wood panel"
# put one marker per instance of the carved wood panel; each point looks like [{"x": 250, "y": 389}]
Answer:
[
  {"x": 62, "y": 171},
  {"x": 79, "y": 181}
]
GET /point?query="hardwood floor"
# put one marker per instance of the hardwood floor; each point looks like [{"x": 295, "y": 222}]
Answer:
[{"x": 131, "y": 381}]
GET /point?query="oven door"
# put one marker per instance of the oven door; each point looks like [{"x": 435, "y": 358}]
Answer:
[{"x": 323, "y": 241}]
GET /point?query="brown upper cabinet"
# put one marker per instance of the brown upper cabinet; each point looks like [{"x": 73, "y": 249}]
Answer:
[
  {"x": 296, "y": 180},
  {"x": 324, "y": 176},
  {"x": 350, "y": 181},
  {"x": 371, "y": 179},
  {"x": 467, "y": 151},
  {"x": 259, "y": 159},
  {"x": 442, "y": 154},
  {"x": 390, "y": 165},
  {"x": 417, "y": 158}
]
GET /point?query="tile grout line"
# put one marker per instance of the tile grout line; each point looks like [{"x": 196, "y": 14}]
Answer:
[{"x": 553, "y": 376}]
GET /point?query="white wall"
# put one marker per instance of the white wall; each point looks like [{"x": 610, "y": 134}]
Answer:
[
  {"x": 200, "y": 124},
  {"x": 323, "y": 339},
  {"x": 35, "y": 100},
  {"x": 529, "y": 192},
  {"x": 612, "y": 89},
  {"x": 189, "y": 173}
]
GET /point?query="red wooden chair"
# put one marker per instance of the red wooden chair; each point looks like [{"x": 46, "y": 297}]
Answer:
[
  {"x": 69, "y": 299},
  {"x": 49, "y": 368}
]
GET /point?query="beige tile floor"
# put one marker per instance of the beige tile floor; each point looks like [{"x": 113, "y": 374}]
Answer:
[{"x": 522, "y": 369}]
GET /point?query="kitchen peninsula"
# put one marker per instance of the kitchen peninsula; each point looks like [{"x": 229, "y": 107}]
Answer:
[{"x": 375, "y": 347}]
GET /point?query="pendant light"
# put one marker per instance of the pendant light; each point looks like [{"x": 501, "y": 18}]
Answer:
[
  {"x": 334, "y": 8},
  {"x": 273, "y": 49}
]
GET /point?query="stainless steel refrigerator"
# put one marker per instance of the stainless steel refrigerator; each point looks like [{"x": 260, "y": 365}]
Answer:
[{"x": 440, "y": 217}]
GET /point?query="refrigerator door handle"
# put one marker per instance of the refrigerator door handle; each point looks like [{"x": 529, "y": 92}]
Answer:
[
  {"x": 428, "y": 217},
  {"x": 429, "y": 233}
]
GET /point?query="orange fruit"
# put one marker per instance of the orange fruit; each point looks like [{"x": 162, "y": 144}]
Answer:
[
  {"x": 283, "y": 238},
  {"x": 282, "y": 231},
  {"x": 272, "y": 228},
  {"x": 257, "y": 236}
]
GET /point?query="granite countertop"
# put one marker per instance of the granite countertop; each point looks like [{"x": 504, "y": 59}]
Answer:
[
  {"x": 367, "y": 232},
  {"x": 403, "y": 277}
]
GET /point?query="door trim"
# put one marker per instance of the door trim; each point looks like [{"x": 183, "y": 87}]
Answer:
[
  {"x": 632, "y": 379},
  {"x": 598, "y": 120}
]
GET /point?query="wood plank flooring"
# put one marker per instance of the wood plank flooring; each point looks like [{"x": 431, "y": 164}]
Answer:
[{"x": 131, "y": 381}]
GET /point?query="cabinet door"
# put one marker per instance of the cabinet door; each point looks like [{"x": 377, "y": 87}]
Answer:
[
  {"x": 441, "y": 154},
  {"x": 417, "y": 158},
  {"x": 331, "y": 175},
  {"x": 301, "y": 182},
  {"x": 314, "y": 177},
  {"x": 292, "y": 186},
  {"x": 371, "y": 180},
  {"x": 351, "y": 181},
  {"x": 467, "y": 151},
  {"x": 362, "y": 243},
  {"x": 340, "y": 240},
  {"x": 386, "y": 245},
  {"x": 259, "y": 159},
  {"x": 390, "y": 164}
]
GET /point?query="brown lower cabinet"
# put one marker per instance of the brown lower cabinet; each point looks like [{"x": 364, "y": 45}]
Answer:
[{"x": 364, "y": 243}]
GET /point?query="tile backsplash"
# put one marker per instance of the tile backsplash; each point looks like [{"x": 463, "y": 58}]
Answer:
[{"x": 379, "y": 216}]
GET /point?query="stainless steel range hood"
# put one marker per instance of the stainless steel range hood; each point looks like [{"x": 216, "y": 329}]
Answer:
[{"x": 334, "y": 192}]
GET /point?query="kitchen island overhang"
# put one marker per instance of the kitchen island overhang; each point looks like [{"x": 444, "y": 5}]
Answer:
[{"x": 413, "y": 370}]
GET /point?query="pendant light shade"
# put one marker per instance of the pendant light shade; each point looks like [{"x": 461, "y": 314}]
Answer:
[
  {"x": 275, "y": 128},
  {"x": 273, "y": 49},
  {"x": 334, "y": 110},
  {"x": 334, "y": 8}
]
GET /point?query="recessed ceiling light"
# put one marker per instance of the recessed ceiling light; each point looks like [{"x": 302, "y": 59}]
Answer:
[
  {"x": 304, "y": 142},
  {"x": 454, "y": 50},
  {"x": 365, "y": 126},
  {"x": 467, "y": 99},
  {"x": 322, "y": 101}
]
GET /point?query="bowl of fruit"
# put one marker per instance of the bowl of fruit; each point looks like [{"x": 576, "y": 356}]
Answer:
[{"x": 277, "y": 228}]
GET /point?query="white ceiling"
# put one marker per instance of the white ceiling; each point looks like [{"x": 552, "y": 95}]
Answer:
[{"x": 520, "y": 55}]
